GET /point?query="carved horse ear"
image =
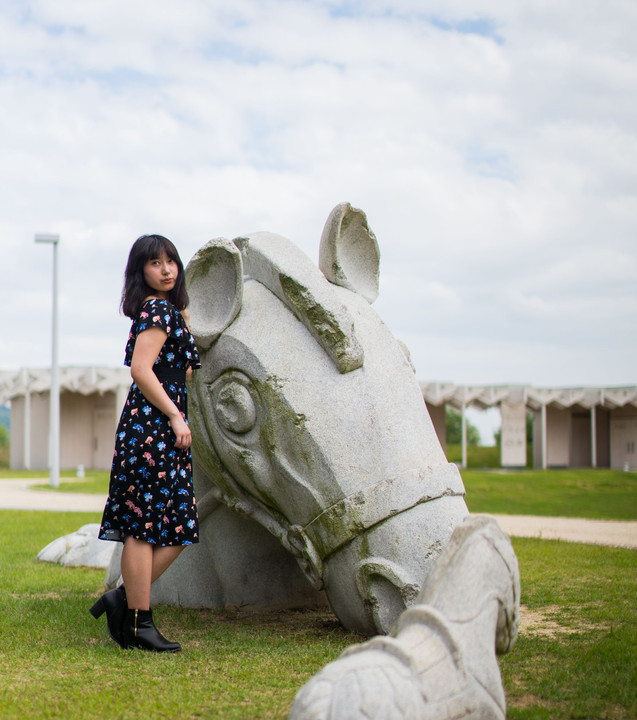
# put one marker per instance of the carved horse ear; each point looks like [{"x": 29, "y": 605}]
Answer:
[
  {"x": 349, "y": 254},
  {"x": 214, "y": 278}
]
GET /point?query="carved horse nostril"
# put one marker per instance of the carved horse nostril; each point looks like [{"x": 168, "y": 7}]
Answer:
[{"x": 386, "y": 588}]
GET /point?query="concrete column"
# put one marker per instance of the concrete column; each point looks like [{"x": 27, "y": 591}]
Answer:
[
  {"x": 593, "y": 437},
  {"x": 26, "y": 422},
  {"x": 464, "y": 435},
  {"x": 513, "y": 434},
  {"x": 544, "y": 443},
  {"x": 26, "y": 452}
]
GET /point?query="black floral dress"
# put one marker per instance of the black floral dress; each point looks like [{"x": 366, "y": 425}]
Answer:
[{"x": 150, "y": 494}]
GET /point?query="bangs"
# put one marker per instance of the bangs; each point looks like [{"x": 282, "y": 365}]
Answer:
[{"x": 158, "y": 245}]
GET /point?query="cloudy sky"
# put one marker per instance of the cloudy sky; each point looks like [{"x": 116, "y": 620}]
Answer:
[{"x": 492, "y": 144}]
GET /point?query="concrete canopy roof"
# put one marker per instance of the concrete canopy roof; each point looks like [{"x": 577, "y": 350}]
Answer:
[
  {"x": 87, "y": 380},
  {"x": 83, "y": 380},
  {"x": 487, "y": 396}
]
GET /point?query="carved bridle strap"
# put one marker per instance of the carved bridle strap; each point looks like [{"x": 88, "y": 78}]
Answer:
[{"x": 351, "y": 516}]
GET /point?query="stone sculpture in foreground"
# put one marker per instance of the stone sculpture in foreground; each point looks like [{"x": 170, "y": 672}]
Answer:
[
  {"x": 308, "y": 425},
  {"x": 80, "y": 548},
  {"x": 440, "y": 661}
]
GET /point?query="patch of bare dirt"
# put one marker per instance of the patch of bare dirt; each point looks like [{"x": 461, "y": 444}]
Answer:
[
  {"x": 528, "y": 701},
  {"x": 542, "y": 622}
]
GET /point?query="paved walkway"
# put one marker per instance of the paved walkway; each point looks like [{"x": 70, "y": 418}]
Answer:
[
  {"x": 19, "y": 495},
  {"x": 596, "y": 532}
]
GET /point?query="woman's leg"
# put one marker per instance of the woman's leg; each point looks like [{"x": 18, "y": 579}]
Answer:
[
  {"x": 163, "y": 558},
  {"x": 137, "y": 572},
  {"x": 141, "y": 564}
]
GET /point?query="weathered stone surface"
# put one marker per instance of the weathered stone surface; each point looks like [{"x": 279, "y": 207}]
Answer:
[
  {"x": 308, "y": 421},
  {"x": 237, "y": 564},
  {"x": 440, "y": 661},
  {"x": 114, "y": 572},
  {"x": 79, "y": 548}
]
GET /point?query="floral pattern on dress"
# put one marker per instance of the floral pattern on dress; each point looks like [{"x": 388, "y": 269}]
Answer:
[{"x": 150, "y": 493}]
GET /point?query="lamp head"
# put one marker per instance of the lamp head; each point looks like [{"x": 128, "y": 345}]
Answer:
[{"x": 47, "y": 238}]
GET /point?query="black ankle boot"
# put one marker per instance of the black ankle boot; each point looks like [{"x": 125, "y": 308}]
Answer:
[
  {"x": 140, "y": 632},
  {"x": 114, "y": 604}
]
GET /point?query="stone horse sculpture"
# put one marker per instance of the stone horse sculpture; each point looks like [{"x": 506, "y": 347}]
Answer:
[{"x": 308, "y": 420}]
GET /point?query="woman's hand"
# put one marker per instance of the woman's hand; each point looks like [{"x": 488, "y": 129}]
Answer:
[{"x": 182, "y": 432}]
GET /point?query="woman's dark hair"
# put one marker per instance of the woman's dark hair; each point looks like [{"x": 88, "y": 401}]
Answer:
[{"x": 135, "y": 289}]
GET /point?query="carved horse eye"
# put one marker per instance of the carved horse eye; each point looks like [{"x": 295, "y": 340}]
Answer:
[{"x": 234, "y": 403}]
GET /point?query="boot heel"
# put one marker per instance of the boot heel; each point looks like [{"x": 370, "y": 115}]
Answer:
[{"x": 98, "y": 609}]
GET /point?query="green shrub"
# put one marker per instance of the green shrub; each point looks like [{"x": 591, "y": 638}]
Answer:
[
  {"x": 482, "y": 457},
  {"x": 478, "y": 456}
]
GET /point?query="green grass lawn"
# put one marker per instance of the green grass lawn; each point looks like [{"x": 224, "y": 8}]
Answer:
[
  {"x": 95, "y": 481},
  {"x": 586, "y": 493},
  {"x": 575, "y": 657},
  {"x": 56, "y": 661}
]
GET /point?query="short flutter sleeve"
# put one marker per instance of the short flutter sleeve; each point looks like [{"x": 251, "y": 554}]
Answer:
[{"x": 180, "y": 349}]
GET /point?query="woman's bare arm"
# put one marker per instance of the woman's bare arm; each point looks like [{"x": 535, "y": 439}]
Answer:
[{"x": 148, "y": 345}]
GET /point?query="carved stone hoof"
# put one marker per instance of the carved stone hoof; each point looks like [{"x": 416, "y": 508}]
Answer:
[
  {"x": 477, "y": 567},
  {"x": 440, "y": 664}
]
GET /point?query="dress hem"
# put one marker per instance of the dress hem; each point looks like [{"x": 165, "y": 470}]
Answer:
[{"x": 116, "y": 536}]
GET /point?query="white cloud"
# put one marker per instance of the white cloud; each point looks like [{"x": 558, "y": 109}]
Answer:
[{"x": 492, "y": 146}]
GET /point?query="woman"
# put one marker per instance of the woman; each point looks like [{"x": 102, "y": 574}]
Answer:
[{"x": 151, "y": 506}]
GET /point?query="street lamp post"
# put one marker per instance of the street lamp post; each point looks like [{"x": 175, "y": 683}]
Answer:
[{"x": 54, "y": 396}]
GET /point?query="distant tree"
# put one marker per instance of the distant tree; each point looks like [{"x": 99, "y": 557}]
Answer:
[
  {"x": 529, "y": 428},
  {"x": 453, "y": 421},
  {"x": 4, "y": 435},
  {"x": 5, "y": 416}
]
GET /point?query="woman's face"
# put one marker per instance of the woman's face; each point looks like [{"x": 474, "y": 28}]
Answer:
[{"x": 160, "y": 274}]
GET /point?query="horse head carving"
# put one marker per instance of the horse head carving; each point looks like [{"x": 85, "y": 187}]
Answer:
[{"x": 307, "y": 417}]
